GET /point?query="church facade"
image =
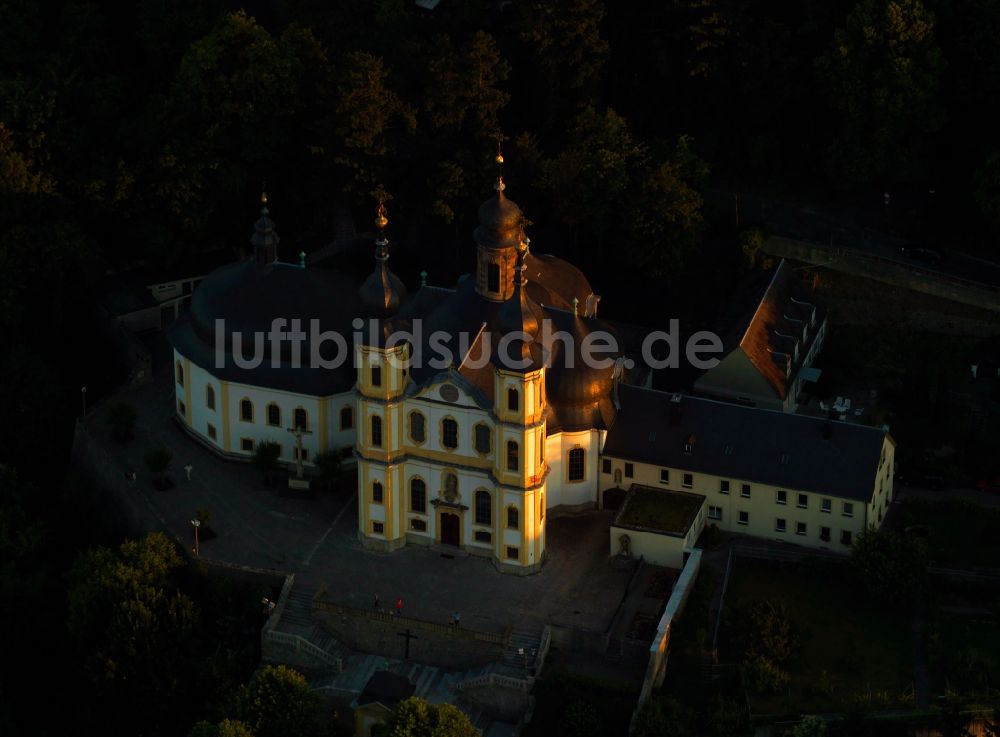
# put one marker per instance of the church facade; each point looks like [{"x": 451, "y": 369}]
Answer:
[{"x": 471, "y": 450}]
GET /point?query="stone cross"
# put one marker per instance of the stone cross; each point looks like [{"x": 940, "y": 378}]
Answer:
[{"x": 298, "y": 432}]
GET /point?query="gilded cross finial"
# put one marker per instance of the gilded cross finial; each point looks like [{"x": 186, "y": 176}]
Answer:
[{"x": 381, "y": 196}]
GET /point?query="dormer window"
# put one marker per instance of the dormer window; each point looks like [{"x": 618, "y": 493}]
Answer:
[{"x": 689, "y": 444}]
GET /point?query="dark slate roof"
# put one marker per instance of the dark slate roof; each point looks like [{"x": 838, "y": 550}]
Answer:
[
  {"x": 248, "y": 298},
  {"x": 386, "y": 688},
  {"x": 746, "y": 443}
]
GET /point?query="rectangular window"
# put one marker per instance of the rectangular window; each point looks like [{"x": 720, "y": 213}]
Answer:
[
  {"x": 246, "y": 445},
  {"x": 800, "y": 528},
  {"x": 418, "y": 525},
  {"x": 664, "y": 476},
  {"x": 377, "y": 492},
  {"x": 629, "y": 471},
  {"x": 305, "y": 453},
  {"x": 848, "y": 509},
  {"x": 779, "y": 525},
  {"x": 688, "y": 480},
  {"x": 723, "y": 486},
  {"x": 483, "y": 536},
  {"x": 211, "y": 431},
  {"x": 378, "y": 528},
  {"x": 181, "y": 409},
  {"x": 577, "y": 464},
  {"x": 513, "y": 552},
  {"x": 845, "y": 537},
  {"x": 745, "y": 491},
  {"x": 376, "y": 376},
  {"x": 743, "y": 518},
  {"x": 714, "y": 512},
  {"x": 781, "y": 497},
  {"x": 824, "y": 534},
  {"x": 606, "y": 465},
  {"x": 825, "y": 505},
  {"x": 803, "y": 502}
]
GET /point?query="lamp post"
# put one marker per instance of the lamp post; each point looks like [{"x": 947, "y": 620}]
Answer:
[{"x": 195, "y": 523}]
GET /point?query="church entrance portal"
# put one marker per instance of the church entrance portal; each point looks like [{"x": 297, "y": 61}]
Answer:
[{"x": 449, "y": 529}]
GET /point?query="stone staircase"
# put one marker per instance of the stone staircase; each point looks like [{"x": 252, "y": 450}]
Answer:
[
  {"x": 297, "y": 622},
  {"x": 519, "y": 655},
  {"x": 435, "y": 685}
]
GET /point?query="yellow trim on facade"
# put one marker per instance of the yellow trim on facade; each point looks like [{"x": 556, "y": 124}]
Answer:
[
  {"x": 187, "y": 391},
  {"x": 226, "y": 438},
  {"x": 321, "y": 421}
]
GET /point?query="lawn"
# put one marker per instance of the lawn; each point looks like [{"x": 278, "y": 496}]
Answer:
[
  {"x": 849, "y": 648},
  {"x": 960, "y": 533},
  {"x": 666, "y": 511}
]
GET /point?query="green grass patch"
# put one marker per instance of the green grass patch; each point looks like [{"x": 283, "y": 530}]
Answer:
[
  {"x": 665, "y": 511},
  {"x": 569, "y": 705},
  {"x": 960, "y": 532},
  {"x": 851, "y": 651}
]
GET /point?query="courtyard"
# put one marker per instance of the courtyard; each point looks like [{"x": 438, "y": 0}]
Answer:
[{"x": 314, "y": 536}]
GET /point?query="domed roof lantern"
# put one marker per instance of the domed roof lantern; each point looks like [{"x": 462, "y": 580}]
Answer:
[
  {"x": 520, "y": 313},
  {"x": 264, "y": 239},
  {"x": 383, "y": 292}
]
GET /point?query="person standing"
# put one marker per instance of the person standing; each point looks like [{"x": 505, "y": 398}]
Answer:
[
  {"x": 376, "y": 602},
  {"x": 399, "y": 605},
  {"x": 187, "y": 470},
  {"x": 455, "y": 620}
]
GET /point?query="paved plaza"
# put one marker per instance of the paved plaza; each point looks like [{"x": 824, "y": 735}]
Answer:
[{"x": 315, "y": 538}]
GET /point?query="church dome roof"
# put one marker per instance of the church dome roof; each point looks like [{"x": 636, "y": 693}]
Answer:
[
  {"x": 570, "y": 381},
  {"x": 500, "y": 222},
  {"x": 382, "y": 293}
]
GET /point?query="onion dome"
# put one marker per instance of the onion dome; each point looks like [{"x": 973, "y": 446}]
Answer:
[
  {"x": 500, "y": 221},
  {"x": 570, "y": 381},
  {"x": 264, "y": 239},
  {"x": 383, "y": 291}
]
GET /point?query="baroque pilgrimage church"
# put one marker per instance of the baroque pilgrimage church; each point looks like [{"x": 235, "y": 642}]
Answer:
[{"x": 475, "y": 451}]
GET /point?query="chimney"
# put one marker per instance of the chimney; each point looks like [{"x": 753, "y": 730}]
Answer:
[
  {"x": 827, "y": 430},
  {"x": 675, "y": 410}
]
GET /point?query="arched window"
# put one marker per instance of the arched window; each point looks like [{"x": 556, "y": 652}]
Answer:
[
  {"x": 246, "y": 410},
  {"x": 483, "y": 438},
  {"x": 417, "y": 427},
  {"x": 512, "y": 458},
  {"x": 376, "y": 376},
  {"x": 346, "y": 418},
  {"x": 376, "y": 431},
  {"x": 513, "y": 399},
  {"x": 418, "y": 495},
  {"x": 541, "y": 507},
  {"x": 449, "y": 433},
  {"x": 209, "y": 396},
  {"x": 513, "y": 518},
  {"x": 377, "y": 492},
  {"x": 493, "y": 277},
  {"x": 300, "y": 418},
  {"x": 484, "y": 508},
  {"x": 575, "y": 464},
  {"x": 180, "y": 373},
  {"x": 273, "y": 415}
]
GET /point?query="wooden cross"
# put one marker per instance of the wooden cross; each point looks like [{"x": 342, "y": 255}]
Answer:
[
  {"x": 298, "y": 432},
  {"x": 409, "y": 636}
]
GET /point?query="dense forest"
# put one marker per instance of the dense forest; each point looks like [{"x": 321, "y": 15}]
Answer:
[{"x": 141, "y": 133}]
